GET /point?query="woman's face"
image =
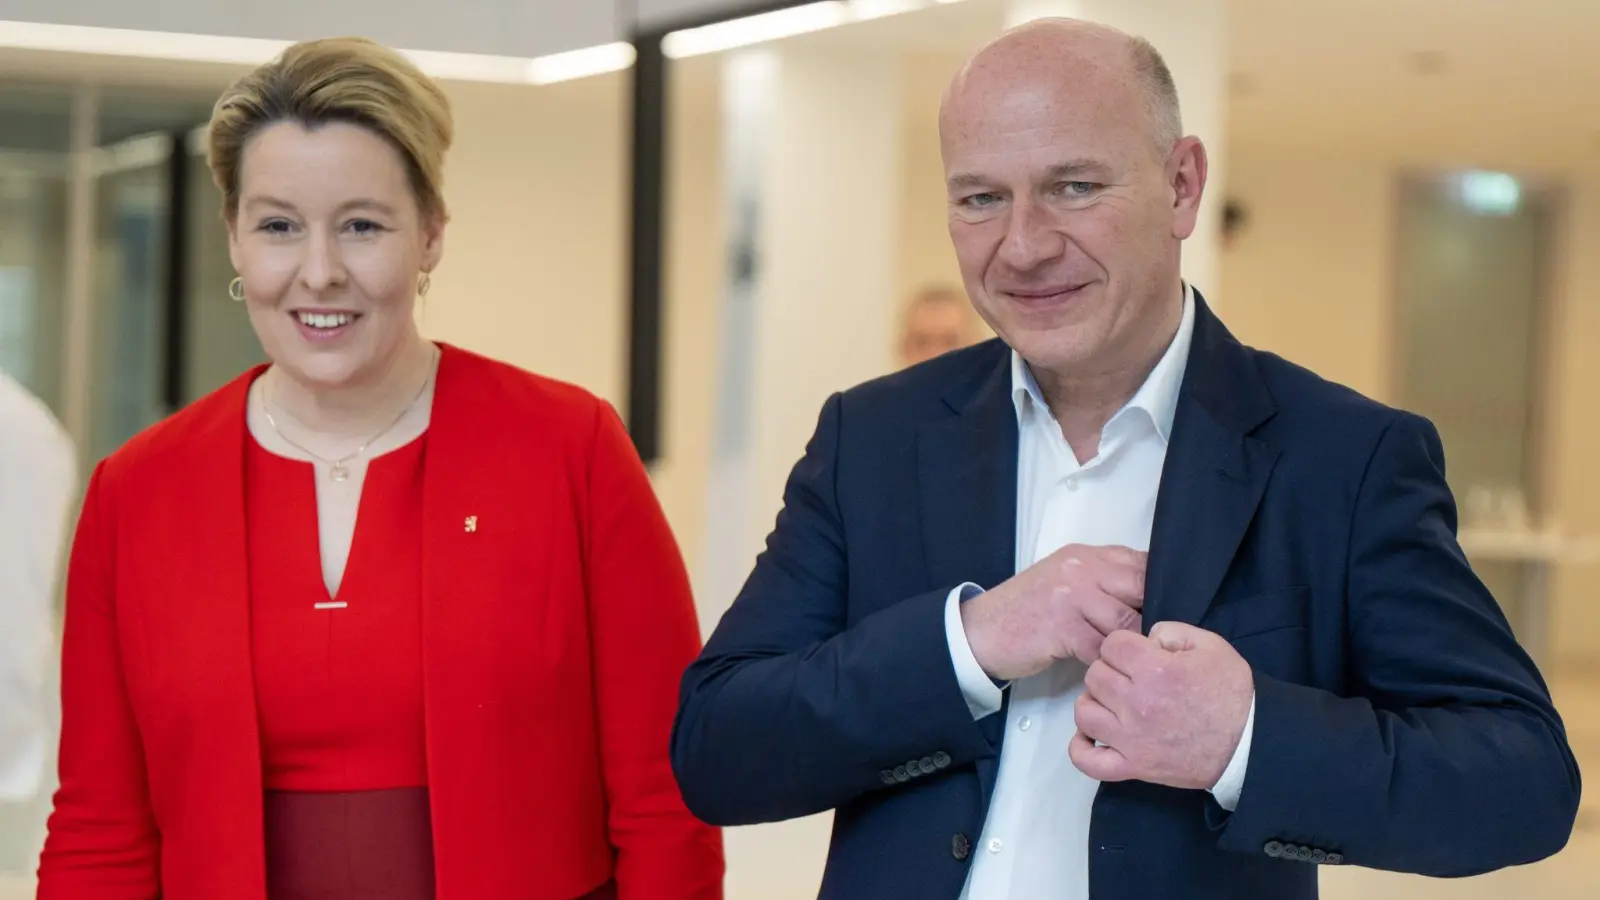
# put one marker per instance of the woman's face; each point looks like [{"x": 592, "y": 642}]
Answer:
[{"x": 330, "y": 242}]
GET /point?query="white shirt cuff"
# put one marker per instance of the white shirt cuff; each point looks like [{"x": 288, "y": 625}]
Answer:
[
  {"x": 1231, "y": 784},
  {"x": 982, "y": 696}
]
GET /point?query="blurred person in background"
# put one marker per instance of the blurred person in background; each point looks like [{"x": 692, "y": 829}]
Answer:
[
  {"x": 936, "y": 321},
  {"x": 38, "y": 483},
  {"x": 463, "y": 692},
  {"x": 1149, "y": 613}
]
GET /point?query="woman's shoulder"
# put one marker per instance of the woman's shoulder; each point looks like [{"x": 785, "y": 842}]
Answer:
[
  {"x": 200, "y": 428},
  {"x": 500, "y": 389}
]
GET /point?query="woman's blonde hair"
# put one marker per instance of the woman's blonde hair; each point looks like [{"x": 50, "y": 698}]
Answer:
[{"x": 352, "y": 80}]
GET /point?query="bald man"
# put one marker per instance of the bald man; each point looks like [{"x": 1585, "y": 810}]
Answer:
[
  {"x": 1114, "y": 606},
  {"x": 936, "y": 321}
]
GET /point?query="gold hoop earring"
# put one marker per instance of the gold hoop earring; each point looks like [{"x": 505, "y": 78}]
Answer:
[
  {"x": 236, "y": 290},
  {"x": 423, "y": 284}
]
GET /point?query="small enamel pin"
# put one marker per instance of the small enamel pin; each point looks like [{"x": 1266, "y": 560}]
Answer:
[{"x": 472, "y": 524}]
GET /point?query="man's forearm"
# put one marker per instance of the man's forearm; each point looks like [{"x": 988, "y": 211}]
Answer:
[
  {"x": 878, "y": 707},
  {"x": 1440, "y": 791}
]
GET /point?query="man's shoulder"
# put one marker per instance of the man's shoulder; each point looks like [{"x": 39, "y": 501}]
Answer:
[
  {"x": 1311, "y": 408},
  {"x": 927, "y": 387}
]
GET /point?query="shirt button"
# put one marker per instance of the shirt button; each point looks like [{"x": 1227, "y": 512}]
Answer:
[
  {"x": 1025, "y": 724},
  {"x": 995, "y": 845},
  {"x": 1072, "y": 482}
]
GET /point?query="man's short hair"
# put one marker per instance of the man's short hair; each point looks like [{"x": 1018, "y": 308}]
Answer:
[{"x": 1161, "y": 95}]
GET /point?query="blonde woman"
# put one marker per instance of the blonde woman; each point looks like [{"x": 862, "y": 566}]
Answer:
[{"x": 463, "y": 692}]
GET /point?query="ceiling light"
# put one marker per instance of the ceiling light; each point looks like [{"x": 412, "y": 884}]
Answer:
[
  {"x": 861, "y": 10},
  {"x": 226, "y": 50},
  {"x": 782, "y": 23},
  {"x": 755, "y": 29},
  {"x": 580, "y": 63},
  {"x": 128, "y": 42},
  {"x": 1490, "y": 193}
]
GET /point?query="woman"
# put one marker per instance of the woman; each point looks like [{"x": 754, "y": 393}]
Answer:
[{"x": 465, "y": 692}]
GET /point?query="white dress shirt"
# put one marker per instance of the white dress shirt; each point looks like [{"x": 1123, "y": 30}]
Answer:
[
  {"x": 1041, "y": 802},
  {"x": 38, "y": 477}
]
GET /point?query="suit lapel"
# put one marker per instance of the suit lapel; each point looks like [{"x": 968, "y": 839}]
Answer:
[
  {"x": 967, "y": 478},
  {"x": 967, "y": 481},
  {"x": 1215, "y": 474}
]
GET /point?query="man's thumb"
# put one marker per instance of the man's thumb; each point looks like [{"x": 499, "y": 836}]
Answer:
[{"x": 1175, "y": 637}]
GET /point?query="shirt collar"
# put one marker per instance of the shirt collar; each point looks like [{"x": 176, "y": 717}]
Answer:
[{"x": 1157, "y": 397}]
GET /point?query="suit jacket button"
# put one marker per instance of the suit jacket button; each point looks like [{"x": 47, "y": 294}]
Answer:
[
  {"x": 1304, "y": 854},
  {"x": 926, "y": 765},
  {"x": 1335, "y": 859},
  {"x": 941, "y": 760},
  {"x": 1319, "y": 857},
  {"x": 1273, "y": 849},
  {"x": 901, "y": 775},
  {"x": 960, "y": 847},
  {"x": 887, "y": 776}
]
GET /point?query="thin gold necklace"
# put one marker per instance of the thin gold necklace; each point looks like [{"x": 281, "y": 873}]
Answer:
[{"x": 337, "y": 469}]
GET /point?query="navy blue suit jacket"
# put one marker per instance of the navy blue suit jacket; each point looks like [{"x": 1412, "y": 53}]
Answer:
[{"x": 1398, "y": 723}]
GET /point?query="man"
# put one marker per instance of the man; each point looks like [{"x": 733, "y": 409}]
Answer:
[
  {"x": 38, "y": 477},
  {"x": 956, "y": 640},
  {"x": 936, "y": 322}
]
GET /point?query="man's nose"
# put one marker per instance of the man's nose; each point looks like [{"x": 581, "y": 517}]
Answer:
[{"x": 1031, "y": 238}]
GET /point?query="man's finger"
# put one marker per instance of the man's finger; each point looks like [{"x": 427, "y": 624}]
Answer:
[
  {"x": 1176, "y": 637},
  {"x": 1094, "y": 719},
  {"x": 1108, "y": 614},
  {"x": 1128, "y": 652},
  {"x": 1108, "y": 687},
  {"x": 1126, "y": 583},
  {"x": 1126, "y": 555},
  {"x": 1102, "y": 763}
]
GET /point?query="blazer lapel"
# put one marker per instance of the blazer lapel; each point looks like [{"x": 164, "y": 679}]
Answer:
[
  {"x": 488, "y": 490},
  {"x": 1215, "y": 474},
  {"x": 967, "y": 481},
  {"x": 205, "y": 615}
]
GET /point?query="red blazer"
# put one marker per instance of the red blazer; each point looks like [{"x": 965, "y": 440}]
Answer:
[{"x": 554, "y": 635}]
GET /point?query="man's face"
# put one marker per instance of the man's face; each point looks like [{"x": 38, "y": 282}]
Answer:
[
  {"x": 933, "y": 329},
  {"x": 1065, "y": 217}
]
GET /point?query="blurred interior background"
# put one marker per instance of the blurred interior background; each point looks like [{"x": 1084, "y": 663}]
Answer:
[{"x": 714, "y": 213}]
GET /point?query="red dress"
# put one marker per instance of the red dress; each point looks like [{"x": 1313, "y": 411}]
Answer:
[{"x": 339, "y": 689}]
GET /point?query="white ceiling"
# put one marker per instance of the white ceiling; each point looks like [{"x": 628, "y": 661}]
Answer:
[
  {"x": 1516, "y": 82},
  {"x": 1516, "y": 85}
]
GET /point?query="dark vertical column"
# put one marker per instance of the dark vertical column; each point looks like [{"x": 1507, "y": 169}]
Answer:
[
  {"x": 176, "y": 275},
  {"x": 645, "y": 305}
]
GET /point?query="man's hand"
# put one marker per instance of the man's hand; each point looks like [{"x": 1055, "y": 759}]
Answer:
[
  {"x": 1169, "y": 708},
  {"x": 1061, "y": 607}
]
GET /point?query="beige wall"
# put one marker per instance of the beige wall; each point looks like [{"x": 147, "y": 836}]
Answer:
[
  {"x": 1309, "y": 279},
  {"x": 694, "y": 274},
  {"x": 1572, "y": 486},
  {"x": 535, "y": 263},
  {"x": 926, "y": 259}
]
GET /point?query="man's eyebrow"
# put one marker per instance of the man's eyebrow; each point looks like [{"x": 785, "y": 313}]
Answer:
[
  {"x": 1070, "y": 170},
  {"x": 1078, "y": 168},
  {"x": 966, "y": 180}
]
